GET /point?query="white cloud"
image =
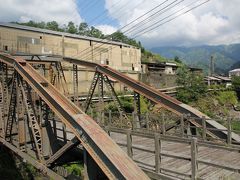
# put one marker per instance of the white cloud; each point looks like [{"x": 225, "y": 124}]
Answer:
[
  {"x": 39, "y": 10},
  {"x": 216, "y": 22},
  {"x": 106, "y": 29}
]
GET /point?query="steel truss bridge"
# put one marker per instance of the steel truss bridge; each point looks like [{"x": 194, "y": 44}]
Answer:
[{"x": 32, "y": 110}]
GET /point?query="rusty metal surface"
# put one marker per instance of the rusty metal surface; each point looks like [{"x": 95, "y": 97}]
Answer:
[
  {"x": 164, "y": 100},
  {"x": 105, "y": 152},
  {"x": 167, "y": 101}
]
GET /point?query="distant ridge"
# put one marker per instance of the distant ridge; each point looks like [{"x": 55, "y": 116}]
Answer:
[{"x": 226, "y": 57}]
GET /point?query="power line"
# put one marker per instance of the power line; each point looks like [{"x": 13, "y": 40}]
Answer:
[
  {"x": 171, "y": 19},
  {"x": 119, "y": 11},
  {"x": 115, "y": 12},
  {"x": 128, "y": 25},
  {"x": 74, "y": 13},
  {"x": 83, "y": 9},
  {"x": 89, "y": 4},
  {"x": 145, "y": 13},
  {"x": 134, "y": 21},
  {"x": 102, "y": 13},
  {"x": 152, "y": 16},
  {"x": 93, "y": 4}
]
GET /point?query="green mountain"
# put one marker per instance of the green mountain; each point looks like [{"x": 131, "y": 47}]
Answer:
[{"x": 226, "y": 57}]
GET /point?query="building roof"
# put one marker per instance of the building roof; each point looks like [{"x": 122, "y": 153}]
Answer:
[
  {"x": 165, "y": 64},
  {"x": 223, "y": 78},
  {"x": 235, "y": 70},
  {"x": 160, "y": 64},
  {"x": 212, "y": 78},
  {"x": 218, "y": 78},
  {"x": 75, "y": 36}
]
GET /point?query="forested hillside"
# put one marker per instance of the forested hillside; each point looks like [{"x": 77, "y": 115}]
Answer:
[{"x": 226, "y": 57}]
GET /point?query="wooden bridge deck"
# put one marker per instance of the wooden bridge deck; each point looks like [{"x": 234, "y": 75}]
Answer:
[{"x": 180, "y": 166}]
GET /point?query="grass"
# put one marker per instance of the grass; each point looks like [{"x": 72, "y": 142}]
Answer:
[{"x": 236, "y": 126}]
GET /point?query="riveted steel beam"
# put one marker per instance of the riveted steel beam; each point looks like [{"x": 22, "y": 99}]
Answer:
[{"x": 103, "y": 150}]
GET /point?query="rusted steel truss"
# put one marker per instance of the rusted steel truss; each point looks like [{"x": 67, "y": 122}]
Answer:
[
  {"x": 102, "y": 79},
  {"x": 75, "y": 83},
  {"x": 37, "y": 111},
  {"x": 156, "y": 96}
]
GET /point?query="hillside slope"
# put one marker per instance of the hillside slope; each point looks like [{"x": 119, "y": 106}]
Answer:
[{"x": 226, "y": 56}]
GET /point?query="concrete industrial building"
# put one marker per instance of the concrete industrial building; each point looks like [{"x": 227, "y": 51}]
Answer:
[
  {"x": 22, "y": 39},
  {"x": 162, "y": 75}
]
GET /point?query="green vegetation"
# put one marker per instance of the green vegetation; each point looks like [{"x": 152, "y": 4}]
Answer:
[
  {"x": 193, "y": 91},
  {"x": 217, "y": 103},
  {"x": 236, "y": 126},
  {"x": 236, "y": 85},
  {"x": 227, "y": 98},
  {"x": 191, "y": 85},
  {"x": 75, "y": 168},
  {"x": 148, "y": 56},
  {"x": 128, "y": 105}
]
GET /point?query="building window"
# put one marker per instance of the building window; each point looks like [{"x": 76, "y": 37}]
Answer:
[
  {"x": 107, "y": 62},
  {"x": 40, "y": 37},
  {"x": 6, "y": 48}
]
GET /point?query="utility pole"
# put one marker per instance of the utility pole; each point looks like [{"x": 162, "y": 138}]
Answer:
[
  {"x": 212, "y": 66},
  {"x": 63, "y": 45},
  {"x": 211, "y": 69}
]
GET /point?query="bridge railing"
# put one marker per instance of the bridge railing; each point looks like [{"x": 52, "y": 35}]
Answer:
[
  {"x": 230, "y": 125},
  {"x": 157, "y": 150},
  {"x": 170, "y": 125}
]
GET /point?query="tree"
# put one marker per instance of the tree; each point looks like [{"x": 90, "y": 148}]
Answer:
[
  {"x": 177, "y": 60},
  {"x": 71, "y": 28},
  {"x": 53, "y": 25},
  {"x": 94, "y": 32},
  {"x": 31, "y": 23},
  {"x": 119, "y": 36},
  {"x": 42, "y": 25},
  {"x": 83, "y": 29},
  {"x": 236, "y": 85},
  {"x": 191, "y": 85}
]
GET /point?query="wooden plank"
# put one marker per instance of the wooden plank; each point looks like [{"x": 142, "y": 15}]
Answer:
[{"x": 178, "y": 152}]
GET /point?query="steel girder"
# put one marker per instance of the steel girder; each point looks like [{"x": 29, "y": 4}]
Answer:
[
  {"x": 12, "y": 109},
  {"x": 154, "y": 95},
  {"x": 75, "y": 83},
  {"x": 32, "y": 118},
  {"x": 20, "y": 103},
  {"x": 103, "y": 150}
]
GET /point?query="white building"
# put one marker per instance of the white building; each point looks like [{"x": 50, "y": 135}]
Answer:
[{"x": 234, "y": 72}]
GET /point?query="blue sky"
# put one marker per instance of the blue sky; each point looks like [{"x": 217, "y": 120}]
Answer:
[
  {"x": 216, "y": 22},
  {"x": 86, "y": 7}
]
